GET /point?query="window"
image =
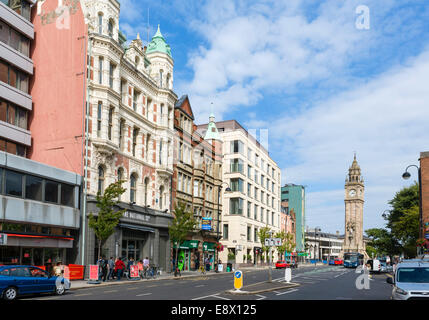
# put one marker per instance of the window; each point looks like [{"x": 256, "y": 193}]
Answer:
[
  {"x": 249, "y": 233},
  {"x": 249, "y": 190},
  {"x": 14, "y": 39},
  {"x": 160, "y": 151},
  {"x": 160, "y": 77},
  {"x": 33, "y": 188},
  {"x": 237, "y": 147},
  {"x": 255, "y": 213},
  {"x": 51, "y": 191},
  {"x": 100, "y": 180},
  {"x": 67, "y": 195},
  {"x": 13, "y": 77},
  {"x": 110, "y": 28},
  {"x": 146, "y": 191},
  {"x": 249, "y": 172},
  {"x": 135, "y": 135},
  {"x": 99, "y": 117},
  {"x": 237, "y": 185},
  {"x": 109, "y": 132},
  {"x": 262, "y": 215},
  {"x": 111, "y": 73},
  {"x": 100, "y": 23},
  {"x": 121, "y": 132},
  {"x": 13, "y": 114},
  {"x": 249, "y": 209},
  {"x": 161, "y": 197},
  {"x": 13, "y": 183},
  {"x": 133, "y": 188},
  {"x": 235, "y": 206},
  {"x": 100, "y": 70},
  {"x": 225, "y": 232},
  {"x": 236, "y": 165},
  {"x": 249, "y": 154}
]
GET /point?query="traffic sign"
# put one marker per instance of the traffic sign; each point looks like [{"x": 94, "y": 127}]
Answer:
[{"x": 238, "y": 280}]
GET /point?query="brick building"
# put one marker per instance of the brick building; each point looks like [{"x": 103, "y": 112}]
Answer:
[
  {"x": 196, "y": 183},
  {"x": 424, "y": 167}
]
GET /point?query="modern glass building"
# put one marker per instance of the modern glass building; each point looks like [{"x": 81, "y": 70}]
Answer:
[{"x": 295, "y": 195}]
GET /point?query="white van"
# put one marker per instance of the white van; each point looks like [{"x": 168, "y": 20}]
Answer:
[{"x": 375, "y": 265}]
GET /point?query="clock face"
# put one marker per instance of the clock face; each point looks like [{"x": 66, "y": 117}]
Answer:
[{"x": 352, "y": 193}]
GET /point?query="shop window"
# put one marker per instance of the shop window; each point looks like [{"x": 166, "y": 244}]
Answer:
[
  {"x": 14, "y": 183},
  {"x": 67, "y": 195},
  {"x": 33, "y": 188},
  {"x": 51, "y": 191}
]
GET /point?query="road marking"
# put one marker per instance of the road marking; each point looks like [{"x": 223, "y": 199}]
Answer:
[
  {"x": 143, "y": 294},
  {"x": 219, "y": 297},
  {"x": 110, "y": 291},
  {"x": 286, "y": 292},
  {"x": 212, "y": 295},
  {"x": 261, "y": 297},
  {"x": 136, "y": 288},
  {"x": 201, "y": 285},
  {"x": 83, "y": 294}
]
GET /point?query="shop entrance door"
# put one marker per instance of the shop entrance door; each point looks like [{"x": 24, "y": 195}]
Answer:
[{"x": 27, "y": 256}]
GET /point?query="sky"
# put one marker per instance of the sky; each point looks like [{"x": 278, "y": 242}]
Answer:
[{"x": 325, "y": 78}]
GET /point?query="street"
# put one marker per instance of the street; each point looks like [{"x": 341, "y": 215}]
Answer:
[{"x": 315, "y": 283}]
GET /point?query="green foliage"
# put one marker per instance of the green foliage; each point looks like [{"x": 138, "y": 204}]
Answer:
[
  {"x": 107, "y": 218},
  {"x": 264, "y": 233},
  {"x": 180, "y": 227},
  {"x": 405, "y": 199},
  {"x": 288, "y": 243},
  {"x": 231, "y": 256}
]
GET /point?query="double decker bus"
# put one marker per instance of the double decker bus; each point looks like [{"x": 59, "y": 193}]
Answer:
[{"x": 353, "y": 259}]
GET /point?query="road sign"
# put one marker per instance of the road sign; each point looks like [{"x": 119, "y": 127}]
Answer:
[
  {"x": 269, "y": 242},
  {"x": 277, "y": 241},
  {"x": 238, "y": 280}
]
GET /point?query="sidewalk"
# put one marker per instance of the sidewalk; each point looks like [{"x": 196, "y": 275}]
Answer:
[{"x": 83, "y": 284}]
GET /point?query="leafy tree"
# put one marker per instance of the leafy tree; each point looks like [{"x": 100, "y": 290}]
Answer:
[
  {"x": 288, "y": 243},
  {"x": 107, "y": 218},
  {"x": 383, "y": 242},
  {"x": 405, "y": 199},
  {"x": 182, "y": 224},
  {"x": 264, "y": 233}
]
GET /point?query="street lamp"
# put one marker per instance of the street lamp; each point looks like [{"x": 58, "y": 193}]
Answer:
[
  {"x": 406, "y": 175},
  {"x": 228, "y": 189},
  {"x": 384, "y": 215},
  {"x": 270, "y": 276},
  {"x": 316, "y": 230}
]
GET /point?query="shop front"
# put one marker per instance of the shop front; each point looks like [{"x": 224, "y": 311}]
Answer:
[
  {"x": 209, "y": 253},
  {"x": 142, "y": 232},
  {"x": 187, "y": 254}
]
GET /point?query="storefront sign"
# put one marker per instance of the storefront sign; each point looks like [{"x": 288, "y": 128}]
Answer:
[
  {"x": 136, "y": 216},
  {"x": 206, "y": 224},
  {"x": 93, "y": 272},
  {"x": 3, "y": 239},
  {"x": 134, "y": 271},
  {"x": 74, "y": 272}
]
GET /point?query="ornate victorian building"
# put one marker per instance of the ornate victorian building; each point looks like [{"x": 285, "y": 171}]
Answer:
[
  {"x": 196, "y": 183},
  {"x": 354, "y": 200},
  {"x": 111, "y": 117}
]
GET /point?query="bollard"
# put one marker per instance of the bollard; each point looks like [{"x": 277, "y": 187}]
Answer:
[{"x": 288, "y": 275}]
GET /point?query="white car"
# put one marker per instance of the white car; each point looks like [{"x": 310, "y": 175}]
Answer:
[{"x": 411, "y": 280}]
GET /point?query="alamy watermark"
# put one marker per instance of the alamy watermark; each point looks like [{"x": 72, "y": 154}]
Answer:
[
  {"x": 362, "y": 282},
  {"x": 363, "y": 19}
]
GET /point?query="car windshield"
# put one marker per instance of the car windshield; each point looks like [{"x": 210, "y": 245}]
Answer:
[{"x": 415, "y": 275}]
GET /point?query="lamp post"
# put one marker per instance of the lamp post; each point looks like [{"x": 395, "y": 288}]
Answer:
[
  {"x": 406, "y": 175},
  {"x": 228, "y": 189},
  {"x": 316, "y": 244},
  {"x": 270, "y": 271}
]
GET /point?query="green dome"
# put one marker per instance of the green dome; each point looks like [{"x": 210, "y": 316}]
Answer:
[{"x": 158, "y": 44}]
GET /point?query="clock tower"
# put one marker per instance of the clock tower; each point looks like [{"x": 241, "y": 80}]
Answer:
[{"x": 354, "y": 200}]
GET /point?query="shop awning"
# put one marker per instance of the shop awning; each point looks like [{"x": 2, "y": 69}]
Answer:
[
  {"x": 209, "y": 246},
  {"x": 136, "y": 227},
  {"x": 188, "y": 244}
]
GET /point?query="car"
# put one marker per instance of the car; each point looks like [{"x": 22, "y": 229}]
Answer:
[
  {"x": 282, "y": 264},
  {"x": 410, "y": 281},
  {"x": 17, "y": 280},
  {"x": 332, "y": 262},
  {"x": 338, "y": 262}
]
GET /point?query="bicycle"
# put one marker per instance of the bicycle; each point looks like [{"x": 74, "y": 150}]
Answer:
[{"x": 151, "y": 272}]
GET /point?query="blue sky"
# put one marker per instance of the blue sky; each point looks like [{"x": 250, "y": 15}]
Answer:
[{"x": 323, "y": 87}]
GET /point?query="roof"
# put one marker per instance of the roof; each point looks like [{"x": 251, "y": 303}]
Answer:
[
  {"x": 185, "y": 105},
  {"x": 212, "y": 133},
  {"x": 158, "y": 44}
]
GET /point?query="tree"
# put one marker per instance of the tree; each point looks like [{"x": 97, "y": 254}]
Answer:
[
  {"x": 382, "y": 242},
  {"x": 107, "y": 218},
  {"x": 288, "y": 243},
  {"x": 264, "y": 233},
  {"x": 182, "y": 224}
]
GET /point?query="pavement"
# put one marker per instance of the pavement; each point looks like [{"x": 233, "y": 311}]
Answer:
[{"x": 250, "y": 289}]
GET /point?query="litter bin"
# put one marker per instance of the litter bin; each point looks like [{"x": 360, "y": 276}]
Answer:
[{"x": 228, "y": 267}]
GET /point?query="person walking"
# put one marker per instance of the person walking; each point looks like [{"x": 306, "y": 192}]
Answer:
[
  {"x": 104, "y": 269},
  {"x": 207, "y": 264},
  {"x": 140, "y": 268},
  {"x": 146, "y": 266},
  {"x": 100, "y": 267},
  {"x": 111, "y": 265},
  {"x": 119, "y": 268}
]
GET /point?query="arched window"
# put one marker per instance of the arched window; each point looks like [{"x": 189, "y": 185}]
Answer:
[
  {"x": 100, "y": 23},
  {"x": 161, "y": 197},
  {"x": 110, "y": 27},
  {"x": 146, "y": 191},
  {"x": 100, "y": 180},
  {"x": 167, "y": 82},
  {"x": 160, "y": 77},
  {"x": 133, "y": 188}
]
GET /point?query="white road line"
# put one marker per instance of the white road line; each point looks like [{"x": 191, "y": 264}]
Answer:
[
  {"x": 219, "y": 297},
  {"x": 203, "y": 297},
  {"x": 290, "y": 291},
  {"x": 110, "y": 291},
  {"x": 201, "y": 285},
  {"x": 261, "y": 297},
  {"x": 143, "y": 294}
]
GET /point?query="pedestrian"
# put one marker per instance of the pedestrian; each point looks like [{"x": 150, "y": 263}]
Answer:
[
  {"x": 111, "y": 265},
  {"x": 119, "y": 267},
  {"x": 104, "y": 269},
  {"x": 140, "y": 268},
  {"x": 207, "y": 264},
  {"x": 100, "y": 267},
  {"x": 57, "y": 269},
  {"x": 197, "y": 263},
  {"x": 211, "y": 262},
  {"x": 145, "y": 265}
]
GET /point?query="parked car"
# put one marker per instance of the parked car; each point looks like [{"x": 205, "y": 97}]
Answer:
[
  {"x": 332, "y": 262},
  {"x": 339, "y": 262},
  {"x": 282, "y": 264},
  {"x": 16, "y": 280},
  {"x": 410, "y": 281}
]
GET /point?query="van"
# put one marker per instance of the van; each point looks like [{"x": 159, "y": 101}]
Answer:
[{"x": 375, "y": 265}]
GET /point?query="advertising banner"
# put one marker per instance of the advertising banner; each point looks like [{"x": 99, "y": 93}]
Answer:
[
  {"x": 134, "y": 271},
  {"x": 206, "y": 224},
  {"x": 93, "y": 272}
]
